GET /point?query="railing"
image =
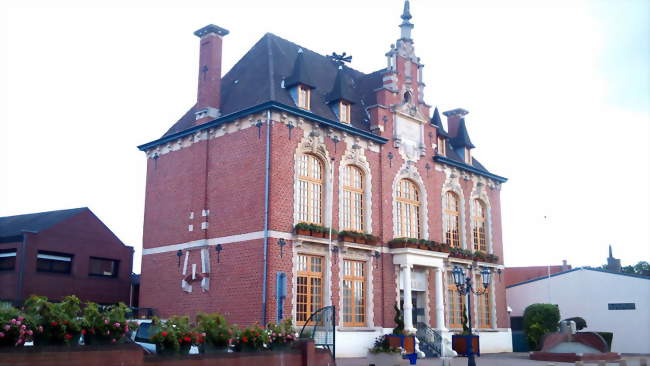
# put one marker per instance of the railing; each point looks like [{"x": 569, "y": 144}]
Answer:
[
  {"x": 430, "y": 340},
  {"x": 321, "y": 328}
]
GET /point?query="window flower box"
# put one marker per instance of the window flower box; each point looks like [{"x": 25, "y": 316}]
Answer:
[
  {"x": 460, "y": 344},
  {"x": 403, "y": 243}
]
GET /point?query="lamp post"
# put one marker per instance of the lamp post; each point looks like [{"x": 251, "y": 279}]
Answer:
[{"x": 464, "y": 286}]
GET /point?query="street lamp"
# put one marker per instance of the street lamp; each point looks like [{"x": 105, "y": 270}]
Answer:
[{"x": 464, "y": 286}]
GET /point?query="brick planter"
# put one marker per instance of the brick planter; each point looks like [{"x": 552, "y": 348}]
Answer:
[{"x": 460, "y": 344}]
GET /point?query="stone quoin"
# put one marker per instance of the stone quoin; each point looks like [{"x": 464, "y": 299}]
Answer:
[{"x": 289, "y": 136}]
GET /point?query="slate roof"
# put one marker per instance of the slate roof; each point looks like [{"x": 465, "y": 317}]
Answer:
[
  {"x": 462, "y": 136},
  {"x": 258, "y": 77},
  {"x": 436, "y": 121},
  {"x": 13, "y": 226}
]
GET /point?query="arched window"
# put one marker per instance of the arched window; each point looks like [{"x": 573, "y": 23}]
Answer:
[
  {"x": 310, "y": 189},
  {"x": 353, "y": 186},
  {"x": 452, "y": 220},
  {"x": 479, "y": 220},
  {"x": 408, "y": 209}
]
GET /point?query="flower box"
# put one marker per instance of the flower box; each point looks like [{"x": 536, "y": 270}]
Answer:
[
  {"x": 406, "y": 342},
  {"x": 303, "y": 232},
  {"x": 460, "y": 344},
  {"x": 360, "y": 240}
]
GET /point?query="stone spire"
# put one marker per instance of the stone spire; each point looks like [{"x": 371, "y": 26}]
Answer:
[{"x": 406, "y": 25}]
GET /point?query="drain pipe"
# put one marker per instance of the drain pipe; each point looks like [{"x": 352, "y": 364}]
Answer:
[{"x": 267, "y": 162}]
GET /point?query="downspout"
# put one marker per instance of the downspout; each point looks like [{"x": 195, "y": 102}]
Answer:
[
  {"x": 21, "y": 273},
  {"x": 267, "y": 162}
]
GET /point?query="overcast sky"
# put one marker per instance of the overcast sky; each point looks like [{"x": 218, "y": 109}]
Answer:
[{"x": 558, "y": 94}]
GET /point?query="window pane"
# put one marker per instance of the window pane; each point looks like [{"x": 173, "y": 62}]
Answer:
[{"x": 103, "y": 267}]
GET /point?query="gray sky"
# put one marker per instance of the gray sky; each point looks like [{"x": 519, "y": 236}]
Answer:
[{"x": 558, "y": 94}]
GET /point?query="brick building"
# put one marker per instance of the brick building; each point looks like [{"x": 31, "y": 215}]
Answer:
[
  {"x": 60, "y": 253},
  {"x": 288, "y": 136}
]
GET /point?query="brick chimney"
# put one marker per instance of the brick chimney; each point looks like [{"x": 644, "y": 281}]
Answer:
[
  {"x": 453, "y": 120},
  {"x": 208, "y": 100}
]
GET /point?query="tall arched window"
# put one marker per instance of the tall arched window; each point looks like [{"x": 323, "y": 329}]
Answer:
[
  {"x": 452, "y": 220},
  {"x": 408, "y": 209},
  {"x": 310, "y": 189},
  {"x": 353, "y": 186},
  {"x": 479, "y": 219}
]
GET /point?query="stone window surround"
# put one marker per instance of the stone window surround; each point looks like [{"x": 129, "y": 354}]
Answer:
[
  {"x": 409, "y": 171},
  {"x": 354, "y": 155}
]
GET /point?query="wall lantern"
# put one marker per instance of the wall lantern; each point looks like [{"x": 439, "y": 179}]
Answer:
[
  {"x": 336, "y": 140},
  {"x": 290, "y": 126},
  {"x": 281, "y": 243},
  {"x": 390, "y": 159},
  {"x": 376, "y": 255},
  {"x": 218, "y": 248},
  {"x": 179, "y": 254}
]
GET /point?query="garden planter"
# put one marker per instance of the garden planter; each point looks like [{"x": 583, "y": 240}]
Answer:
[
  {"x": 383, "y": 358},
  {"x": 317, "y": 234},
  {"x": 209, "y": 348},
  {"x": 73, "y": 342},
  {"x": 360, "y": 240},
  {"x": 404, "y": 341},
  {"x": 91, "y": 340},
  {"x": 395, "y": 245},
  {"x": 412, "y": 245},
  {"x": 303, "y": 232},
  {"x": 280, "y": 346},
  {"x": 171, "y": 351},
  {"x": 349, "y": 239},
  {"x": 460, "y": 344}
]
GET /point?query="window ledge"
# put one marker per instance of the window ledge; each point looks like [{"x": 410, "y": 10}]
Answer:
[{"x": 357, "y": 329}]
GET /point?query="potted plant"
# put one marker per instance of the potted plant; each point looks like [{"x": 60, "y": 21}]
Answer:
[
  {"x": 423, "y": 244},
  {"x": 479, "y": 256},
  {"x": 382, "y": 353},
  {"x": 215, "y": 335},
  {"x": 444, "y": 248},
  {"x": 399, "y": 338},
  {"x": 492, "y": 258},
  {"x": 397, "y": 243},
  {"x": 14, "y": 328},
  {"x": 371, "y": 239},
  {"x": 281, "y": 336},
  {"x": 251, "y": 339},
  {"x": 173, "y": 336},
  {"x": 347, "y": 235},
  {"x": 104, "y": 327},
  {"x": 55, "y": 323},
  {"x": 460, "y": 342},
  {"x": 302, "y": 228}
]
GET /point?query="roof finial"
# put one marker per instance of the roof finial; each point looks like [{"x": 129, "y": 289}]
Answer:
[
  {"x": 406, "y": 14},
  {"x": 406, "y": 25}
]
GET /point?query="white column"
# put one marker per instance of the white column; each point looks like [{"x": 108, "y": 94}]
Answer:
[
  {"x": 440, "y": 307},
  {"x": 408, "y": 302}
]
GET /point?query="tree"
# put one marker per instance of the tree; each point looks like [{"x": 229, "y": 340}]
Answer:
[{"x": 540, "y": 319}]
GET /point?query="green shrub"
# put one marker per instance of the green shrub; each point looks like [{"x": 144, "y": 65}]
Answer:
[
  {"x": 540, "y": 319},
  {"x": 399, "y": 321}
]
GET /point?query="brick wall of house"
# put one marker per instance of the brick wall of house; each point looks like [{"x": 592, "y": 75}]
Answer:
[{"x": 82, "y": 235}]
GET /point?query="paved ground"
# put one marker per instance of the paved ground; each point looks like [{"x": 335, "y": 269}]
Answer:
[{"x": 500, "y": 359}]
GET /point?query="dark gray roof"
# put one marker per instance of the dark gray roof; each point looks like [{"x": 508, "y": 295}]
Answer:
[
  {"x": 436, "y": 121},
  {"x": 342, "y": 88},
  {"x": 13, "y": 226},
  {"x": 300, "y": 73},
  {"x": 462, "y": 137},
  {"x": 258, "y": 77}
]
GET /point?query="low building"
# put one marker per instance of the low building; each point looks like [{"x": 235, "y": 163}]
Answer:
[
  {"x": 514, "y": 275},
  {"x": 609, "y": 302},
  {"x": 60, "y": 253}
]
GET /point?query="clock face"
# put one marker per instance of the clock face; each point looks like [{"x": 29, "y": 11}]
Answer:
[{"x": 410, "y": 134}]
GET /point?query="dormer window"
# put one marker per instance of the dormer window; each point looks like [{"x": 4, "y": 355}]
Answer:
[
  {"x": 441, "y": 146},
  {"x": 304, "y": 97},
  {"x": 344, "y": 112},
  {"x": 468, "y": 156}
]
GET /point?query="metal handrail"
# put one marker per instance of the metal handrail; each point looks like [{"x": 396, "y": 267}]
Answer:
[{"x": 318, "y": 321}]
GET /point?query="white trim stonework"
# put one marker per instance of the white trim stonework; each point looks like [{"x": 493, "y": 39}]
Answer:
[
  {"x": 452, "y": 184},
  {"x": 409, "y": 171},
  {"x": 478, "y": 192},
  {"x": 355, "y": 155},
  {"x": 219, "y": 240}
]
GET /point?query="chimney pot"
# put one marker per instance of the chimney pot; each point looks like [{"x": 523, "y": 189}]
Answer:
[{"x": 208, "y": 101}]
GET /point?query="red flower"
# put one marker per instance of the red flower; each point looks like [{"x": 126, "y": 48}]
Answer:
[
  {"x": 244, "y": 339},
  {"x": 164, "y": 334},
  {"x": 53, "y": 323},
  {"x": 180, "y": 340},
  {"x": 67, "y": 336},
  {"x": 83, "y": 331},
  {"x": 187, "y": 339}
]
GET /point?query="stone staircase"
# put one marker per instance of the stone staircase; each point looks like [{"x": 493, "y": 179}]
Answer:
[{"x": 430, "y": 340}]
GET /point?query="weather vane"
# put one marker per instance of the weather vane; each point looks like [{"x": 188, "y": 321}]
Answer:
[{"x": 340, "y": 59}]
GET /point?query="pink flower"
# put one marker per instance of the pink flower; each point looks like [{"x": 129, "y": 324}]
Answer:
[
  {"x": 108, "y": 332},
  {"x": 105, "y": 321},
  {"x": 40, "y": 329},
  {"x": 202, "y": 334},
  {"x": 20, "y": 318},
  {"x": 113, "y": 340},
  {"x": 30, "y": 332},
  {"x": 18, "y": 323},
  {"x": 7, "y": 327},
  {"x": 2, "y": 335},
  {"x": 23, "y": 327},
  {"x": 13, "y": 321},
  {"x": 116, "y": 325}
]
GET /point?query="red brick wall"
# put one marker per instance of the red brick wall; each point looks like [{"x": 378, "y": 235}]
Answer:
[
  {"x": 514, "y": 275},
  {"x": 8, "y": 279},
  {"x": 82, "y": 235}
]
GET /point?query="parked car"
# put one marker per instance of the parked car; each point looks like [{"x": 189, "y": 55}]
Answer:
[{"x": 143, "y": 337}]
